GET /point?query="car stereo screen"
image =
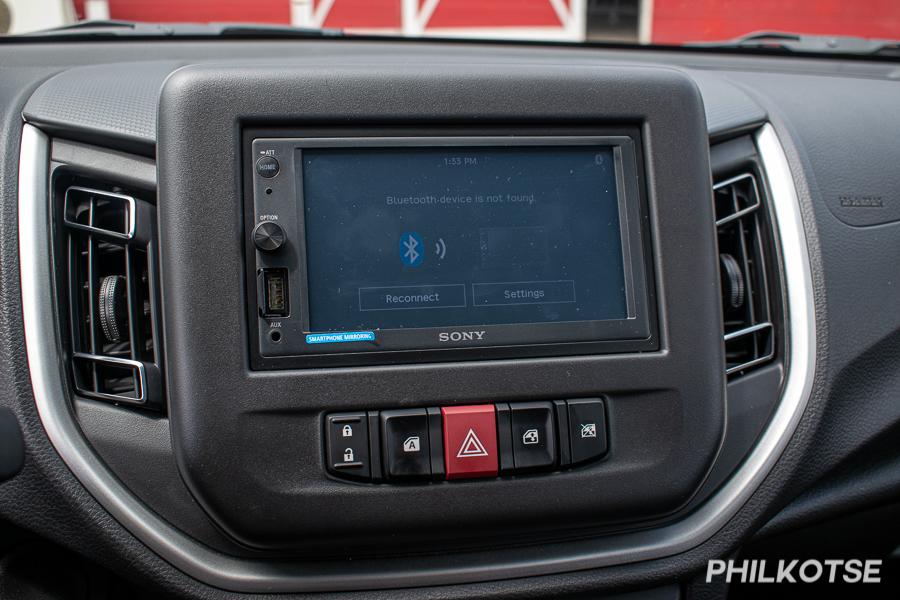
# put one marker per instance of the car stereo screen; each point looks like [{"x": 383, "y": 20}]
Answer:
[{"x": 432, "y": 237}]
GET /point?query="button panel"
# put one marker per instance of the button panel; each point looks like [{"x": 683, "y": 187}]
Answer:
[{"x": 465, "y": 442}]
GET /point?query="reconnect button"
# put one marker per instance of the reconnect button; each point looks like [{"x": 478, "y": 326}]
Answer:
[{"x": 470, "y": 441}]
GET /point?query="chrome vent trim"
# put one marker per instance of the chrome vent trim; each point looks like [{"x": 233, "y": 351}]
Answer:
[
  {"x": 765, "y": 331},
  {"x": 740, "y": 212},
  {"x": 127, "y": 202},
  {"x": 137, "y": 369}
]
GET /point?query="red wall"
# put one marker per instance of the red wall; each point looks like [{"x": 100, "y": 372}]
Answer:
[
  {"x": 674, "y": 21},
  {"x": 494, "y": 13},
  {"x": 363, "y": 14},
  {"x": 696, "y": 20},
  {"x": 351, "y": 14},
  {"x": 201, "y": 11}
]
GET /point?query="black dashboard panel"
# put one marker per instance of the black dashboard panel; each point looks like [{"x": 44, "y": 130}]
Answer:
[{"x": 252, "y": 483}]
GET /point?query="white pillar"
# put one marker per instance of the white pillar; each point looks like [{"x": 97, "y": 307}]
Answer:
[
  {"x": 96, "y": 10},
  {"x": 302, "y": 13},
  {"x": 645, "y": 22},
  {"x": 409, "y": 18},
  {"x": 577, "y": 28}
]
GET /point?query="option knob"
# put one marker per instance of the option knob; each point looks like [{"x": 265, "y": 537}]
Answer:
[{"x": 268, "y": 236}]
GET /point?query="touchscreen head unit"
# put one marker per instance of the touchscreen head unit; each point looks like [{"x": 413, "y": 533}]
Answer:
[{"x": 394, "y": 244}]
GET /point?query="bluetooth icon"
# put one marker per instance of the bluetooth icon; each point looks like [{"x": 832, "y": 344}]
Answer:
[{"x": 411, "y": 249}]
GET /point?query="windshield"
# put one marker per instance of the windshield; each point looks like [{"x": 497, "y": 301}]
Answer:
[{"x": 627, "y": 21}]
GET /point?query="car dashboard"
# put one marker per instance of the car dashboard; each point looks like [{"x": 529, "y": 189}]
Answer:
[{"x": 442, "y": 319}]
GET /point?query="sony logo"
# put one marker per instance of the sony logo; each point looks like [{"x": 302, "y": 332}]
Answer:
[{"x": 460, "y": 336}]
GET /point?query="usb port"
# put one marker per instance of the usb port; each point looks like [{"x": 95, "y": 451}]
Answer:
[{"x": 275, "y": 293}]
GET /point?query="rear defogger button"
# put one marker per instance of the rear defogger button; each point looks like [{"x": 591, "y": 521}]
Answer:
[{"x": 470, "y": 441}]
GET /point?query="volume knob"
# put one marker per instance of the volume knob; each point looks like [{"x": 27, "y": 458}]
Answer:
[{"x": 268, "y": 236}]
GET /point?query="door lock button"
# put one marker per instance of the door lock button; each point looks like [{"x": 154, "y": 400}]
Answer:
[{"x": 347, "y": 438}]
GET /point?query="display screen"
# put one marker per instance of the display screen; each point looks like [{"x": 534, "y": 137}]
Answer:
[{"x": 404, "y": 237}]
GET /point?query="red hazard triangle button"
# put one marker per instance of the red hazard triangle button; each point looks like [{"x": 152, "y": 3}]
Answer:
[
  {"x": 471, "y": 446},
  {"x": 470, "y": 441}
]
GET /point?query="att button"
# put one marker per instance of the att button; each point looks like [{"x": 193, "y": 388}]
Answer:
[{"x": 267, "y": 167}]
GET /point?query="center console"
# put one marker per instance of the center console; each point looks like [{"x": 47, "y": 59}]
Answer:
[{"x": 407, "y": 314}]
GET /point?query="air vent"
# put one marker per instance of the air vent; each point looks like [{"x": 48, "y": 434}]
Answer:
[
  {"x": 113, "y": 308},
  {"x": 748, "y": 327}
]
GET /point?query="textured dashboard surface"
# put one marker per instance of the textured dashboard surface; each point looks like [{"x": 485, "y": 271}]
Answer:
[
  {"x": 118, "y": 101},
  {"x": 852, "y": 415}
]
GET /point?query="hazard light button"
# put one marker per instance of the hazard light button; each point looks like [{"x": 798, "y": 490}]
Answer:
[{"x": 470, "y": 441}]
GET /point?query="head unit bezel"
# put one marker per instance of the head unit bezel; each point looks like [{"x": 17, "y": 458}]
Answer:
[{"x": 282, "y": 197}]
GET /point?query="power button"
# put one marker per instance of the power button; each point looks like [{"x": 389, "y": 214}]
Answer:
[{"x": 267, "y": 166}]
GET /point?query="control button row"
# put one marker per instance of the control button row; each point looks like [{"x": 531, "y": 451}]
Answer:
[{"x": 463, "y": 442}]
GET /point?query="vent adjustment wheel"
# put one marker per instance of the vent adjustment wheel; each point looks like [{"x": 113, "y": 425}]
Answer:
[{"x": 113, "y": 308}]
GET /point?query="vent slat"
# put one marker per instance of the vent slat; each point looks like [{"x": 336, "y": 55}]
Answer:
[
  {"x": 746, "y": 252},
  {"x": 133, "y": 316},
  {"x": 749, "y": 334},
  {"x": 93, "y": 324},
  {"x": 133, "y": 301}
]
